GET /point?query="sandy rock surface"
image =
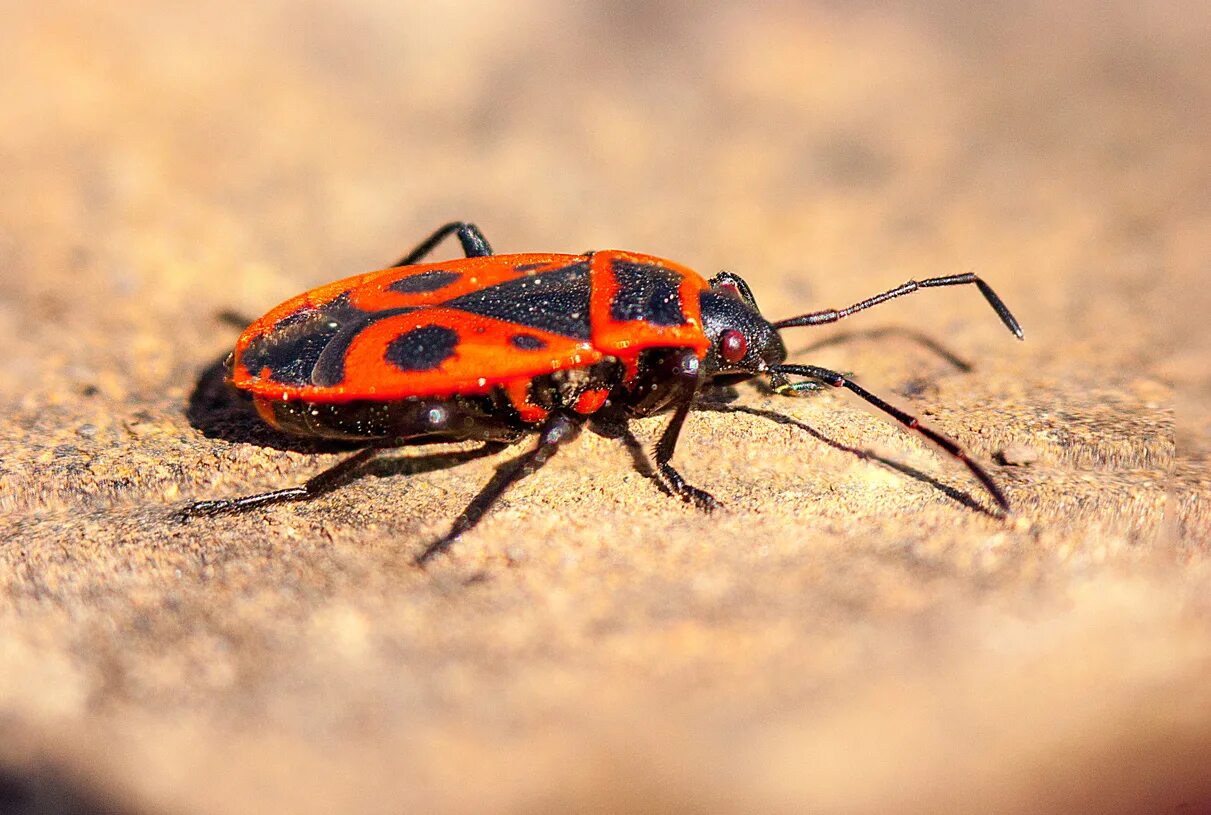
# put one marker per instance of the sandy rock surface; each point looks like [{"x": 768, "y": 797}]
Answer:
[{"x": 853, "y": 632}]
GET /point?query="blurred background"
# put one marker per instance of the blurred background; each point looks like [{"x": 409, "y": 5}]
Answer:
[{"x": 845, "y": 637}]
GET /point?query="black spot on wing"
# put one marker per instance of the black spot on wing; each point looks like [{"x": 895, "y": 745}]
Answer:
[
  {"x": 289, "y": 351},
  {"x": 647, "y": 292},
  {"x": 287, "y": 361},
  {"x": 527, "y": 342},
  {"x": 555, "y": 301},
  {"x": 306, "y": 314},
  {"x": 425, "y": 282},
  {"x": 309, "y": 347},
  {"x": 422, "y": 349}
]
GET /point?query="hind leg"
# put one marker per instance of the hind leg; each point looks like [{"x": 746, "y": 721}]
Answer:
[
  {"x": 335, "y": 476},
  {"x": 473, "y": 241}
]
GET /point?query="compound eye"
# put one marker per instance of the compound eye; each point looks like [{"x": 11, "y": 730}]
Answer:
[{"x": 733, "y": 346}]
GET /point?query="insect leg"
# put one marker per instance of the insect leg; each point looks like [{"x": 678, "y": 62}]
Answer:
[
  {"x": 673, "y": 382},
  {"x": 612, "y": 423},
  {"x": 911, "y": 422},
  {"x": 560, "y": 428},
  {"x": 831, "y": 315},
  {"x": 319, "y": 484},
  {"x": 326, "y": 481},
  {"x": 474, "y": 243},
  {"x": 664, "y": 454}
]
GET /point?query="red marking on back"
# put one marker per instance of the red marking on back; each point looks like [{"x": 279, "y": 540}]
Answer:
[
  {"x": 474, "y": 274},
  {"x": 371, "y": 290},
  {"x": 484, "y": 357},
  {"x": 626, "y": 338}
]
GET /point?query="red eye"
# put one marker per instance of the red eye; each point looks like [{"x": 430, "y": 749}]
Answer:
[{"x": 733, "y": 346}]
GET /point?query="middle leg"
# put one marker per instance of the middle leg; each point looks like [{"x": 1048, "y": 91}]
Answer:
[
  {"x": 674, "y": 382},
  {"x": 560, "y": 428}
]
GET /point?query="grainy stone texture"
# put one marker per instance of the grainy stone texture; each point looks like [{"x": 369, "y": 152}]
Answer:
[{"x": 848, "y": 634}]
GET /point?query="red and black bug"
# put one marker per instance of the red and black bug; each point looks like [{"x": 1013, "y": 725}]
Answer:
[{"x": 495, "y": 347}]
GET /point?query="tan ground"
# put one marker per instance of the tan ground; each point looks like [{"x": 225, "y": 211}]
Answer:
[{"x": 845, "y": 636}]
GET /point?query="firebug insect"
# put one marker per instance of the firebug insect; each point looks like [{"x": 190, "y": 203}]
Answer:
[{"x": 496, "y": 347}]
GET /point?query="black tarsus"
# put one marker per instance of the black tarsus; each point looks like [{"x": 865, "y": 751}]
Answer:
[
  {"x": 831, "y": 315},
  {"x": 338, "y": 474},
  {"x": 560, "y": 428},
  {"x": 318, "y": 484},
  {"x": 911, "y": 422},
  {"x": 664, "y": 454},
  {"x": 474, "y": 243},
  {"x": 667, "y": 445}
]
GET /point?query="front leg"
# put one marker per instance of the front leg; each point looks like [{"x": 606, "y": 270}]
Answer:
[
  {"x": 664, "y": 454},
  {"x": 686, "y": 382}
]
